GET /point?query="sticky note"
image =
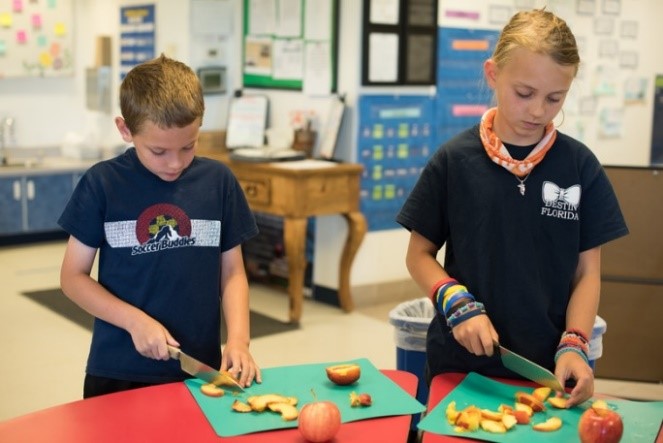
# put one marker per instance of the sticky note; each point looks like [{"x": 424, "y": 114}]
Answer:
[
  {"x": 5, "y": 19},
  {"x": 41, "y": 41},
  {"x": 17, "y": 5},
  {"x": 21, "y": 36},
  {"x": 55, "y": 49},
  {"x": 3, "y": 47},
  {"x": 60, "y": 29},
  {"x": 36, "y": 21}
]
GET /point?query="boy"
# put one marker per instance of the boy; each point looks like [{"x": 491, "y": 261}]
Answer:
[{"x": 168, "y": 227}]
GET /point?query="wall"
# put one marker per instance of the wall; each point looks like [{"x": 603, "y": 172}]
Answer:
[{"x": 46, "y": 109}]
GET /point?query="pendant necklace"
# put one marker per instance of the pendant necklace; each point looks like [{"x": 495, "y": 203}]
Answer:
[{"x": 521, "y": 184}]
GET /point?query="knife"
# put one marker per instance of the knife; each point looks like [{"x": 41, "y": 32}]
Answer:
[
  {"x": 204, "y": 372},
  {"x": 528, "y": 369}
]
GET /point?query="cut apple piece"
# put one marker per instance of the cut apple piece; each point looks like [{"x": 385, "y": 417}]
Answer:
[
  {"x": 550, "y": 425},
  {"x": 343, "y": 374},
  {"x": 288, "y": 411},
  {"x": 524, "y": 408},
  {"x": 505, "y": 409},
  {"x": 496, "y": 427},
  {"x": 557, "y": 402},
  {"x": 240, "y": 406},
  {"x": 469, "y": 418},
  {"x": 530, "y": 400},
  {"x": 452, "y": 413},
  {"x": 600, "y": 404},
  {"x": 211, "y": 390},
  {"x": 259, "y": 402},
  {"x": 542, "y": 393},
  {"x": 522, "y": 417},
  {"x": 491, "y": 415},
  {"x": 509, "y": 421}
]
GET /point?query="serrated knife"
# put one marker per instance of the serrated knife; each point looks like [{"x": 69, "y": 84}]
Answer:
[
  {"x": 204, "y": 372},
  {"x": 528, "y": 369}
]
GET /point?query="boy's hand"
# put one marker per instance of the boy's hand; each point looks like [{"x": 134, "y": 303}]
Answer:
[
  {"x": 151, "y": 338},
  {"x": 477, "y": 335},
  {"x": 571, "y": 365},
  {"x": 237, "y": 359}
]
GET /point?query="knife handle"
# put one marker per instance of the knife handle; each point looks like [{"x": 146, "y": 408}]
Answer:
[{"x": 173, "y": 352}]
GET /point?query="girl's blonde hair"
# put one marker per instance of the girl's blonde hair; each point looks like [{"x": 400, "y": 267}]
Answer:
[
  {"x": 163, "y": 91},
  {"x": 539, "y": 31}
]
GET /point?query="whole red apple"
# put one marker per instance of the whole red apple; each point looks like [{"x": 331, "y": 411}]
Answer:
[
  {"x": 600, "y": 425},
  {"x": 319, "y": 421}
]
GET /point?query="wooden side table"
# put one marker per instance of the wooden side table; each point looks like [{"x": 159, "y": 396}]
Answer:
[{"x": 296, "y": 192}]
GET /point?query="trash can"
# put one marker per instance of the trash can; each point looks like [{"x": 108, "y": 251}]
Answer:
[
  {"x": 411, "y": 320},
  {"x": 596, "y": 341}
]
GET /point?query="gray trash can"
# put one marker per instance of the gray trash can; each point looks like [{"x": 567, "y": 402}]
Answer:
[{"x": 411, "y": 320}]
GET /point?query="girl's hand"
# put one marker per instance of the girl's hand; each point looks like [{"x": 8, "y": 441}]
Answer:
[
  {"x": 477, "y": 335},
  {"x": 571, "y": 365},
  {"x": 237, "y": 359}
]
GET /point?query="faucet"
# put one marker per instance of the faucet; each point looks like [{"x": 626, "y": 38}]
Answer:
[{"x": 6, "y": 138}]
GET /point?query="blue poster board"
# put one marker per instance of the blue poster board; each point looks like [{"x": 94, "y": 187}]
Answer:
[
  {"x": 395, "y": 141},
  {"x": 137, "y": 36},
  {"x": 462, "y": 93}
]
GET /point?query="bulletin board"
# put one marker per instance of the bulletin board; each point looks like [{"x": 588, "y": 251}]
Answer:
[
  {"x": 36, "y": 38},
  {"x": 395, "y": 141},
  {"x": 291, "y": 44}
]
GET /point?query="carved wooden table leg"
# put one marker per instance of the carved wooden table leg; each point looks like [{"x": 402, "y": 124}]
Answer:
[
  {"x": 356, "y": 231},
  {"x": 294, "y": 238}
]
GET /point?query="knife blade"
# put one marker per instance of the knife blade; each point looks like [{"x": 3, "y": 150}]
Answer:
[
  {"x": 204, "y": 372},
  {"x": 528, "y": 369}
]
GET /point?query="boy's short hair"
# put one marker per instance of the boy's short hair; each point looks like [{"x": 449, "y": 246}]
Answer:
[{"x": 163, "y": 91}]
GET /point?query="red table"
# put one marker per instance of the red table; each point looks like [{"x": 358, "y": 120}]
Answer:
[
  {"x": 442, "y": 384},
  {"x": 168, "y": 413}
]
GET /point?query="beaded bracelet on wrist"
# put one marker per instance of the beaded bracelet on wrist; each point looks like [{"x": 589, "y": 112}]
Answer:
[{"x": 465, "y": 312}]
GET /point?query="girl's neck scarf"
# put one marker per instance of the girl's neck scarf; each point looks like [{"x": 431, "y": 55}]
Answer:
[{"x": 500, "y": 155}]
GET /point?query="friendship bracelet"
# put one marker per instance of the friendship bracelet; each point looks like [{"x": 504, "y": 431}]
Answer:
[
  {"x": 578, "y": 333},
  {"x": 466, "y": 316},
  {"x": 448, "y": 303},
  {"x": 565, "y": 349},
  {"x": 458, "y": 305},
  {"x": 465, "y": 312},
  {"x": 434, "y": 290}
]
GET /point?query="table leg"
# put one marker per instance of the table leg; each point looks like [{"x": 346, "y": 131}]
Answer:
[
  {"x": 294, "y": 237},
  {"x": 356, "y": 230}
]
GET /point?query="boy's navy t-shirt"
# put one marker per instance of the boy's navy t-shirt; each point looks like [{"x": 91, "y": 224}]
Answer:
[{"x": 160, "y": 246}]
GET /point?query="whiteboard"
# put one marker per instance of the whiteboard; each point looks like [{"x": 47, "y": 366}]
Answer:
[{"x": 36, "y": 38}]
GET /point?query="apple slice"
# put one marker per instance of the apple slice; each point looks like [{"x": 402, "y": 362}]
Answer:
[
  {"x": 496, "y": 427},
  {"x": 522, "y": 417},
  {"x": 550, "y": 425},
  {"x": 259, "y": 402},
  {"x": 505, "y": 409},
  {"x": 600, "y": 404},
  {"x": 509, "y": 421},
  {"x": 557, "y": 402},
  {"x": 524, "y": 408},
  {"x": 344, "y": 374},
  {"x": 542, "y": 393},
  {"x": 240, "y": 406},
  {"x": 288, "y": 411},
  {"x": 528, "y": 399},
  {"x": 491, "y": 415},
  {"x": 452, "y": 413},
  {"x": 469, "y": 418},
  {"x": 211, "y": 390}
]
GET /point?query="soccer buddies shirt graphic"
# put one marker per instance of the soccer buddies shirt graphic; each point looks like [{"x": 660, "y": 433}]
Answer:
[{"x": 162, "y": 226}]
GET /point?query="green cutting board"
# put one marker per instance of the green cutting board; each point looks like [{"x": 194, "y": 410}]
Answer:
[
  {"x": 641, "y": 419},
  {"x": 297, "y": 381}
]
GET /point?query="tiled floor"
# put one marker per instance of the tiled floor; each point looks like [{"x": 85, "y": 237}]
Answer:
[{"x": 43, "y": 354}]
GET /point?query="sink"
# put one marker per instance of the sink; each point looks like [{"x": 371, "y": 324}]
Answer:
[{"x": 20, "y": 163}]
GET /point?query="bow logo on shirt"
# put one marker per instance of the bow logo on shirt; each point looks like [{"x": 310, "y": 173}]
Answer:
[{"x": 553, "y": 193}]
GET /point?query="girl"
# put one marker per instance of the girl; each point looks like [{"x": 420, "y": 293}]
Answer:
[{"x": 523, "y": 211}]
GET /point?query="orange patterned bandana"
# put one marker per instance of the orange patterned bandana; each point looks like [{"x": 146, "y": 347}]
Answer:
[{"x": 500, "y": 155}]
